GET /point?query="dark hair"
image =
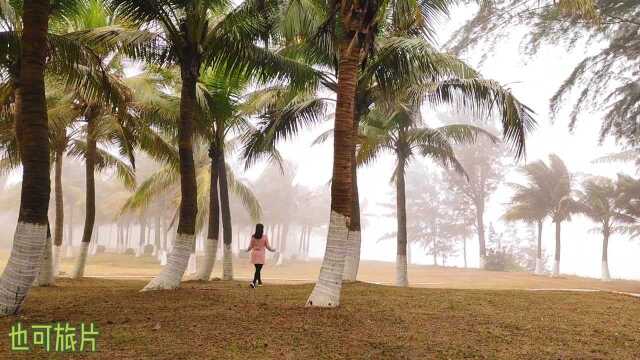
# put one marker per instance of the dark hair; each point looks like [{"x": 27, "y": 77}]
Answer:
[{"x": 259, "y": 231}]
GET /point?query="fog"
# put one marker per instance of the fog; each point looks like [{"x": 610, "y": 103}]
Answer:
[{"x": 298, "y": 200}]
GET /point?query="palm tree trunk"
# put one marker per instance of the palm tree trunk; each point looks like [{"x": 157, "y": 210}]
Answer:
[
  {"x": 401, "y": 208},
  {"x": 605, "y": 254},
  {"x": 90, "y": 205},
  {"x": 31, "y": 116},
  {"x": 156, "y": 235},
  {"x": 326, "y": 292},
  {"x": 225, "y": 210},
  {"x": 213, "y": 231},
  {"x": 184, "y": 245},
  {"x": 352, "y": 258},
  {"x": 481, "y": 238},
  {"x": 556, "y": 263},
  {"x": 59, "y": 225},
  {"x": 539, "y": 266},
  {"x": 464, "y": 251},
  {"x": 70, "y": 227},
  {"x": 141, "y": 236}
]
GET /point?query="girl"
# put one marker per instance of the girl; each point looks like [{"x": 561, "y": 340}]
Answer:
[{"x": 259, "y": 242}]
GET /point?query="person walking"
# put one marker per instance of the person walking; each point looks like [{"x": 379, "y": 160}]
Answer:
[{"x": 259, "y": 242}]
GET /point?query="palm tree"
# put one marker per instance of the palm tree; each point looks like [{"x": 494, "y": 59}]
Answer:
[
  {"x": 553, "y": 184},
  {"x": 599, "y": 202},
  {"x": 193, "y": 34},
  {"x": 402, "y": 131},
  {"x": 527, "y": 204},
  {"x": 32, "y": 134}
]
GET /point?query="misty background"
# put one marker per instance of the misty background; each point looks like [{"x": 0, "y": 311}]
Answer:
[{"x": 297, "y": 202}]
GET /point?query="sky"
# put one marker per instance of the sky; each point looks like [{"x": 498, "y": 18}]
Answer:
[{"x": 534, "y": 81}]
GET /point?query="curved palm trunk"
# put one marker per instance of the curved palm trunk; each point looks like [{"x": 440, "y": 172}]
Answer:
[
  {"x": 605, "y": 251},
  {"x": 539, "y": 266},
  {"x": 90, "y": 203},
  {"x": 31, "y": 118},
  {"x": 401, "y": 207},
  {"x": 326, "y": 292},
  {"x": 213, "y": 231},
  {"x": 184, "y": 245},
  {"x": 556, "y": 263},
  {"x": 45, "y": 276},
  {"x": 352, "y": 258},
  {"x": 227, "y": 234},
  {"x": 59, "y": 225}
]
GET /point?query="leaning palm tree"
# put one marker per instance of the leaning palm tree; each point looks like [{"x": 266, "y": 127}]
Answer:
[
  {"x": 191, "y": 35},
  {"x": 527, "y": 204},
  {"x": 599, "y": 202}
]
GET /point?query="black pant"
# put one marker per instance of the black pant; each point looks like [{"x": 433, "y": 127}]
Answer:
[{"x": 256, "y": 276}]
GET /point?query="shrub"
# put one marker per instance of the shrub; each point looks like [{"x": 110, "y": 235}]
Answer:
[
  {"x": 148, "y": 250},
  {"x": 502, "y": 260},
  {"x": 130, "y": 251}
]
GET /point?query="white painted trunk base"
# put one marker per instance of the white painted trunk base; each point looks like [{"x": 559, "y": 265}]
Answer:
[
  {"x": 539, "y": 267},
  {"x": 191, "y": 265},
  {"x": 210, "y": 252},
  {"x": 605, "y": 272},
  {"x": 227, "y": 262},
  {"x": 57, "y": 257},
  {"x": 68, "y": 252},
  {"x": 402, "y": 278},
  {"x": 556, "y": 269},
  {"x": 45, "y": 276},
  {"x": 78, "y": 270},
  {"x": 352, "y": 258},
  {"x": 22, "y": 267},
  {"x": 170, "y": 276},
  {"x": 326, "y": 292}
]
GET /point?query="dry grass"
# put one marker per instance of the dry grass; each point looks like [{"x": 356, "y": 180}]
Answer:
[{"x": 227, "y": 320}]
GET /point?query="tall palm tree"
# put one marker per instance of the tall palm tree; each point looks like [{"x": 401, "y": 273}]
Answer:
[
  {"x": 599, "y": 201},
  {"x": 32, "y": 134},
  {"x": 527, "y": 204},
  {"x": 192, "y": 34}
]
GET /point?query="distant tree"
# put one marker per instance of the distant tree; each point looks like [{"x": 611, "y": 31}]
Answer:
[
  {"x": 555, "y": 185},
  {"x": 485, "y": 167},
  {"x": 528, "y": 204},
  {"x": 599, "y": 201}
]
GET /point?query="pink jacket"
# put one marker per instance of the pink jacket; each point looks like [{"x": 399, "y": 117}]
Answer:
[{"x": 257, "y": 248}]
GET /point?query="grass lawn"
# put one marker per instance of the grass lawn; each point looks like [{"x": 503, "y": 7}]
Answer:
[{"x": 227, "y": 320}]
